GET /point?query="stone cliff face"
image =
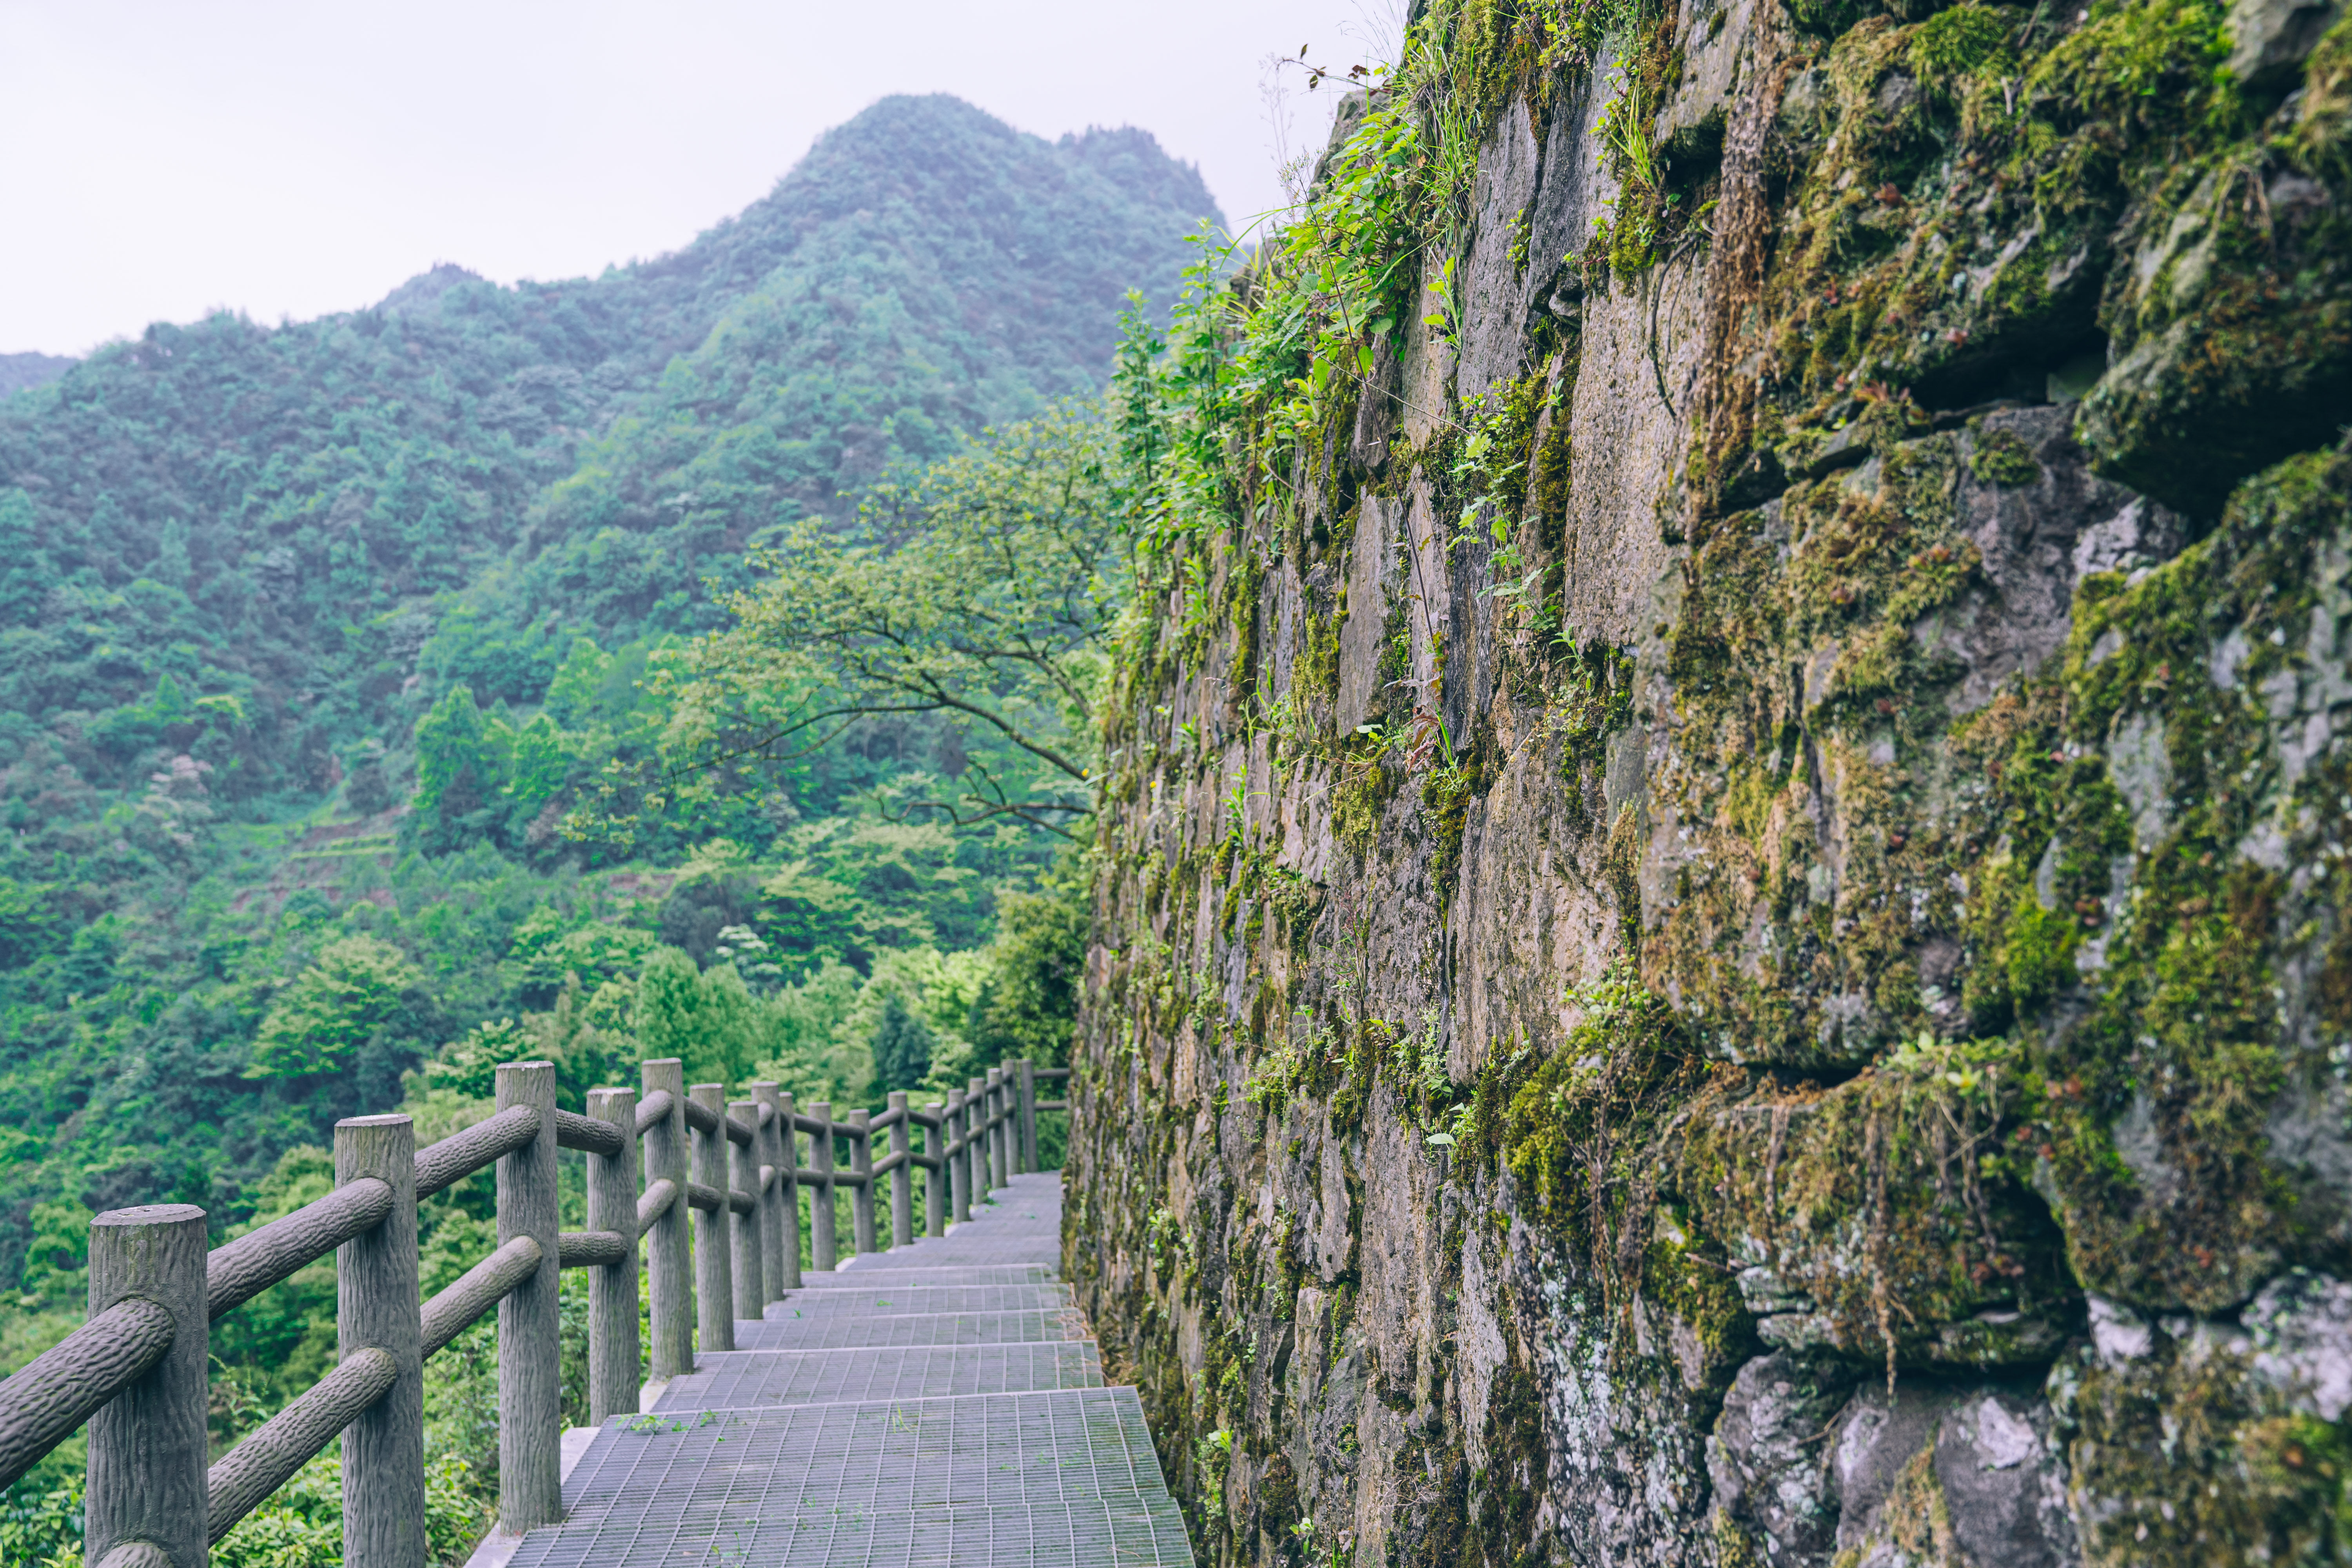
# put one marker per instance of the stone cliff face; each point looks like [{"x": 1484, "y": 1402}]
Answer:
[{"x": 1722, "y": 931}]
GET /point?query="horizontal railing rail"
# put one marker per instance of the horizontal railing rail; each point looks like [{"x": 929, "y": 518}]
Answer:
[
  {"x": 54, "y": 1394},
  {"x": 476, "y": 1292},
  {"x": 245, "y": 1267},
  {"x": 708, "y": 1190},
  {"x": 586, "y": 1134},
  {"x": 270, "y": 1454},
  {"x": 654, "y": 1202},
  {"x": 460, "y": 1155}
]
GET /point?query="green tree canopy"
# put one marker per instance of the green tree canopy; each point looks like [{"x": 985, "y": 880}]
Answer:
[
  {"x": 983, "y": 593},
  {"x": 708, "y": 1019},
  {"x": 902, "y": 1047},
  {"x": 358, "y": 989},
  {"x": 1038, "y": 962}
]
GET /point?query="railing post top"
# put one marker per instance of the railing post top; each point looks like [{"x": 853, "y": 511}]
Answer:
[
  {"x": 995, "y": 1076},
  {"x": 662, "y": 1073},
  {"x": 382, "y": 1147},
  {"x": 858, "y": 1118},
  {"x": 821, "y": 1109},
  {"x": 146, "y": 1217},
  {"x": 711, "y": 1091},
  {"x": 759, "y": 1085},
  {"x": 896, "y": 1100},
  {"x": 609, "y": 1098},
  {"x": 148, "y": 1213},
  {"x": 521, "y": 1083},
  {"x": 978, "y": 1086}
]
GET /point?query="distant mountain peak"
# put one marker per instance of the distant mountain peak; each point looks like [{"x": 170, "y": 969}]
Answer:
[
  {"x": 22, "y": 373},
  {"x": 424, "y": 291}
]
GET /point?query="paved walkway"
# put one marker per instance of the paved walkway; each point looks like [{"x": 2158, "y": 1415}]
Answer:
[{"x": 937, "y": 1403}]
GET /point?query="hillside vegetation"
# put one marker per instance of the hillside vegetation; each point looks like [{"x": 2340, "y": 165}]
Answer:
[{"x": 354, "y": 736}]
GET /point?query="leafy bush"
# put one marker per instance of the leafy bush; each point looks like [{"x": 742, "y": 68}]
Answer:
[
  {"x": 301, "y": 1524},
  {"x": 902, "y": 1047},
  {"x": 359, "y": 991}
]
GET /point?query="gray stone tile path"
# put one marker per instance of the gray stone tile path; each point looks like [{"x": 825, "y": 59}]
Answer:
[{"x": 939, "y": 1403}]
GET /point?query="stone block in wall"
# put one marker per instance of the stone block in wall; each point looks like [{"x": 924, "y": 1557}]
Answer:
[
  {"x": 1493, "y": 276},
  {"x": 2195, "y": 1440},
  {"x": 1813, "y": 1462},
  {"x": 1377, "y": 587},
  {"x": 1716, "y": 39}
]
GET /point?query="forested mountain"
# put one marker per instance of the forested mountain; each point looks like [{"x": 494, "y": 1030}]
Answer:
[
  {"x": 18, "y": 372},
  {"x": 269, "y": 514},
  {"x": 316, "y": 642}
]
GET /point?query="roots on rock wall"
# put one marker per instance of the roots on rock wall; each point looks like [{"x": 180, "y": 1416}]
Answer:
[{"x": 1722, "y": 927}]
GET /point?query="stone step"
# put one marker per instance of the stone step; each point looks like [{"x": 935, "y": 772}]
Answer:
[
  {"x": 737, "y": 1379},
  {"x": 886, "y": 1293},
  {"x": 844, "y": 1331},
  {"x": 884, "y": 1265}
]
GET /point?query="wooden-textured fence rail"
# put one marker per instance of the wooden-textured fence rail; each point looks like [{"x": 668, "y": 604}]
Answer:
[{"x": 662, "y": 1162}]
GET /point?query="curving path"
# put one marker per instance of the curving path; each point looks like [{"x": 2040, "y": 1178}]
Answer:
[{"x": 939, "y": 1404}]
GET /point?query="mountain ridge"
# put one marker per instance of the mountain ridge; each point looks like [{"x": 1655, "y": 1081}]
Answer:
[
  {"x": 253, "y": 576},
  {"x": 317, "y": 486}
]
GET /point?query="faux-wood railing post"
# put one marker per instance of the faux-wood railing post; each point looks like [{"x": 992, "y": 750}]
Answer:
[
  {"x": 958, "y": 1154},
  {"x": 978, "y": 1103},
  {"x": 992, "y": 1172},
  {"x": 788, "y": 1188},
  {"x": 714, "y": 1273},
  {"x": 1001, "y": 1108},
  {"x": 743, "y": 1230},
  {"x": 861, "y": 1202},
  {"x": 531, "y": 1404},
  {"x": 975, "y": 1155},
  {"x": 771, "y": 1201},
  {"x": 1016, "y": 1151},
  {"x": 992, "y": 1155},
  {"x": 1027, "y": 1122},
  {"x": 902, "y": 1174},
  {"x": 935, "y": 1174},
  {"x": 975, "y": 1147},
  {"x": 613, "y": 1355},
  {"x": 1016, "y": 1158},
  {"x": 975, "y": 1138},
  {"x": 376, "y": 1309},
  {"x": 146, "y": 1474},
  {"x": 669, "y": 1281},
  {"x": 821, "y": 1236}
]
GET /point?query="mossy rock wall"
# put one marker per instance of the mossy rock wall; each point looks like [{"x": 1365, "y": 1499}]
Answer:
[{"x": 1815, "y": 1029}]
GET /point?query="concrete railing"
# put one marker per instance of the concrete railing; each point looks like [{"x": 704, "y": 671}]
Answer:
[{"x": 662, "y": 1162}]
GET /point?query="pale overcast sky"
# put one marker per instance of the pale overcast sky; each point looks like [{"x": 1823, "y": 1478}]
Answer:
[{"x": 158, "y": 160}]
